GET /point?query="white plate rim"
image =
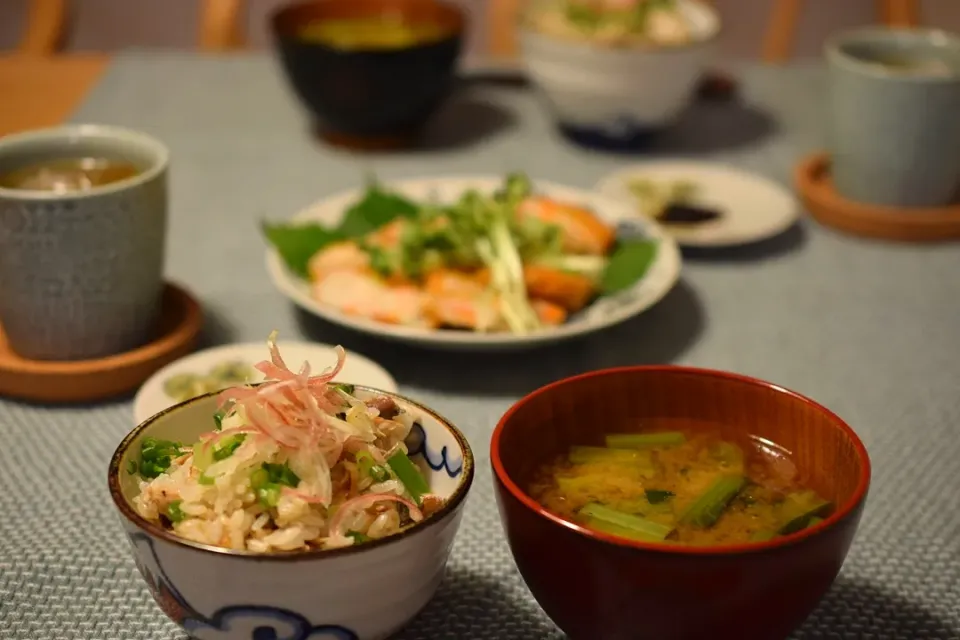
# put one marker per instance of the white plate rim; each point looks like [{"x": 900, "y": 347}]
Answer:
[
  {"x": 661, "y": 277},
  {"x": 154, "y": 384},
  {"x": 611, "y": 185}
]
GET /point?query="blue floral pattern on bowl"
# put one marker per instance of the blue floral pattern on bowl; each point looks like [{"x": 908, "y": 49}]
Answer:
[
  {"x": 436, "y": 460},
  {"x": 255, "y": 622}
]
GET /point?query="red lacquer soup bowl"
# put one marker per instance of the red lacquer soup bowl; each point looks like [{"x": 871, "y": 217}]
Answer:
[{"x": 600, "y": 587}]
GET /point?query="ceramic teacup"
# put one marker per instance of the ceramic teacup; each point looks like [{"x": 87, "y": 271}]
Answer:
[
  {"x": 364, "y": 592},
  {"x": 895, "y": 116},
  {"x": 81, "y": 272}
]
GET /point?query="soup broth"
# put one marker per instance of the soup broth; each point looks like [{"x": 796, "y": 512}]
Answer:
[
  {"x": 682, "y": 487},
  {"x": 371, "y": 33},
  {"x": 68, "y": 174}
]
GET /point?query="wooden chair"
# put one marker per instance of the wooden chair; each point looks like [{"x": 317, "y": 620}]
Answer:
[
  {"x": 782, "y": 26},
  {"x": 220, "y": 28},
  {"x": 777, "y": 41}
]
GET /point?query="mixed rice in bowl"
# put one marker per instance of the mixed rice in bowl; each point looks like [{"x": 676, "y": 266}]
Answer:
[{"x": 292, "y": 499}]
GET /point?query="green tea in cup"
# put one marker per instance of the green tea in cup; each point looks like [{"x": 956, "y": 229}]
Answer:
[{"x": 65, "y": 175}]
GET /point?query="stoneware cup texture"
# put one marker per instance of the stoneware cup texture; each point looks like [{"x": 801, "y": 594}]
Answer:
[
  {"x": 358, "y": 593},
  {"x": 81, "y": 274},
  {"x": 617, "y": 97},
  {"x": 894, "y": 134},
  {"x": 600, "y": 587}
]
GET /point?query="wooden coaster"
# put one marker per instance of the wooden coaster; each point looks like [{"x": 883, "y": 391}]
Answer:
[
  {"x": 87, "y": 380},
  {"x": 816, "y": 189}
]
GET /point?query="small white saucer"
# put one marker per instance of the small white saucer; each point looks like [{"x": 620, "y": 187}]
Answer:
[
  {"x": 358, "y": 369},
  {"x": 753, "y": 207}
]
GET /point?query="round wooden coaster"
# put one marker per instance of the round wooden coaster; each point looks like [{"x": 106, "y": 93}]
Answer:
[
  {"x": 86, "y": 380},
  {"x": 817, "y": 191}
]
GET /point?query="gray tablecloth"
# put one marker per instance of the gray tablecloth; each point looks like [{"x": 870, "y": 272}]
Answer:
[{"x": 869, "y": 329}]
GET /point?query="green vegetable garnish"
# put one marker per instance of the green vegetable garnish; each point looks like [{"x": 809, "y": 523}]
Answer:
[
  {"x": 656, "y": 496},
  {"x": 268, "y": 481},
  {"x": 377, "y": 208},
  {"x": 269, "y": 494},
  {"x": 408, "y": 474},
  {"x": 225, "y": 448},
  {"x": 638, "y": 528},
  {"x": 297, "y": 243},
  {"x": 218, "y": 419},
  {"x": 131, "y": 466},
  {"x": 628, "y": 264},
  {"x": 709, "y": 506},
  {"x": 281, "y": 474},
  {"x": 205, "y": 479},
  {"x": 174, "y": 512},
  {"x": 368, "y": 466},
  {"x": 205, "y": 454},
  {"x": 358, "y": 537},
  {"x": 156, "y": 456},
  {"x": 346, "y": 388},
  {"x": 799, "y": 508}
]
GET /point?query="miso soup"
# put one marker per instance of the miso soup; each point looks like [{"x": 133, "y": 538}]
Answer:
[
  {"x": 682, "y": 487},
  {"x": 64, "y": 175},
  {"x": 371, "y": 33}
]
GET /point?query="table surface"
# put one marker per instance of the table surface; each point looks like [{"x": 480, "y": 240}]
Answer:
[{"x": 869, "y": 329}]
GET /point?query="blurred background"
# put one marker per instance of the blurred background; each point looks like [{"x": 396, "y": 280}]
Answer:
[{"x": 110, "y": 25}]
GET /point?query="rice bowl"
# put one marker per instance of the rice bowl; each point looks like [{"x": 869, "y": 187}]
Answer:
[{"x": 229, "y": 554}]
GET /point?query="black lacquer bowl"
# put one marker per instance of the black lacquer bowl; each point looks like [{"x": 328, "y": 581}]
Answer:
[{"x": 370, "y": 98}]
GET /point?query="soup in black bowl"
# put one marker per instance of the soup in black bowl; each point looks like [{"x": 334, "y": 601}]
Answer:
[{"x": 371, "y": 72}]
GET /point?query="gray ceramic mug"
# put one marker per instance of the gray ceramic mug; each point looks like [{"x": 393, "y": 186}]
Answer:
[
  {"x": 81, "y": 273},
  {"x": 894, "y": 117}
]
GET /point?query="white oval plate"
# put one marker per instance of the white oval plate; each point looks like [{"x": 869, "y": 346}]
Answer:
[
  {"x": 605, "y": 312},
  {"x": 753, "y": 207},
  {"x": 358, "y": 369}
]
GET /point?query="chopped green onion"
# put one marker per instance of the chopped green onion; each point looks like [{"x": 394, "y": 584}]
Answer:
[
  {"x": 281, "y": 474},
  {"x": 269, "y": 494},
  {"x": 218, "y": 419},
  {"x": 641, "y": 440},
  {"x": 156, "y": 456},
  {"x": 358, "y": 538},
  {"x": 267, "y": 482},
  {"x": 707, "y": 509},
  {"x": 204, "y": 479},
  {"x": 640, "y": 528},
  {"x": 409, "y": 475},
  {"x": 379, "y": 473},
  {"x": 259, "y": 478},
  {"x": 131, "y": 466},
  {"x": 368, "y": 467},
  {"x": 174, "y": 512},
  {"x": 656, "y": 496},
  {"x": 225, "y": 448},
  {"x": 346, "y": 388}
]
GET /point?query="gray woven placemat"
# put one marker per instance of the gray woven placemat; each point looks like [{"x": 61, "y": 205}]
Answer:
[{"x": 869, "y": 329}]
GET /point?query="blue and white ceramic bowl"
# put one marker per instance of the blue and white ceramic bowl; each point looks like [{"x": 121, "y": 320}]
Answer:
[
  {"x": 617, "y": 97},
  {"x": 356, "y": 593}
]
